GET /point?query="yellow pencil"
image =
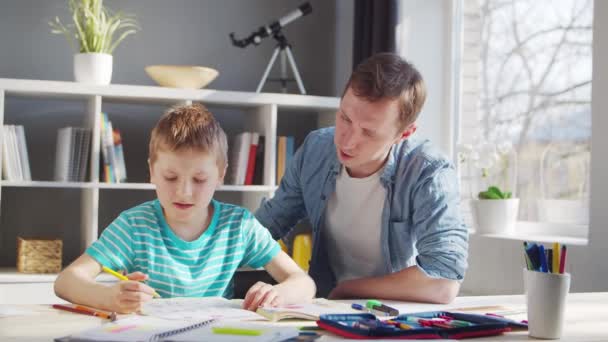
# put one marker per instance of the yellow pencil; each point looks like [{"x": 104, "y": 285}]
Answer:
[
  {"x": 556, "y": 250},
  {"x": 122, "y": 277}
]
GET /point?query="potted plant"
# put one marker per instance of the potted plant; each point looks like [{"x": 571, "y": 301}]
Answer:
[
  {"x": 495, "y": 211},
  {"x": 486, "y": 168},
  {"x": 95, "y": 32}
]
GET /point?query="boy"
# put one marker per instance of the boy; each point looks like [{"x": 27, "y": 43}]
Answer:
[{"x": 183, "y": 244}]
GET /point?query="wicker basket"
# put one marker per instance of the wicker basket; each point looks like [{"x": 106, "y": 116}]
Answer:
[{"x": 39, "y": 255}]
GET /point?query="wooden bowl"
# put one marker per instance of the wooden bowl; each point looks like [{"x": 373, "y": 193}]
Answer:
[{"x": 181, "y": 76}]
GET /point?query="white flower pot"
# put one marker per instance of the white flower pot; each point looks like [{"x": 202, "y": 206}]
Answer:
[
  {"x": 495, "y": 216},
  {"x": 93, "y": 68}
]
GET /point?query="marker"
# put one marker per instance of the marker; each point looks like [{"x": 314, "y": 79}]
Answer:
[
  {"x": 555, "y": 260},
  {"x": 371, "y": 303},
  {"x": 386, "y": 309},
  {"x": 237, "y": 331},
  {"x": 543, "y": 259},
  {"x": 122, "y": 277},
  {"x": 357, "y": 306},
  {"x": 562, "y": 260}
]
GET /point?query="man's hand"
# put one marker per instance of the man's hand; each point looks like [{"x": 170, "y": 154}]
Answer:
[
  {"x": 262, "y": 294},
  {"x": 129, "y": 296}
]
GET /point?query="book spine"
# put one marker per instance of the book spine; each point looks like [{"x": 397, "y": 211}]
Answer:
[{"x": 255, "y": 138}]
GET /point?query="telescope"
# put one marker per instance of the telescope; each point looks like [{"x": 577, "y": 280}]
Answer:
[{"x": 273, "y": 28}]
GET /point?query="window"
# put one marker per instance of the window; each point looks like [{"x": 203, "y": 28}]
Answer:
[{"x": 526, "y": 105}]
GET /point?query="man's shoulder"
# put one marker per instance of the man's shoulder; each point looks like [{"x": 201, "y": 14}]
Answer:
[
  {"x": 321, "y": 140},
  {"x": 421, "y": 156}
]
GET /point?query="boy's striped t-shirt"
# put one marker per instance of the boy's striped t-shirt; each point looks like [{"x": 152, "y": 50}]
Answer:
[{"x": 140, "y": 239}]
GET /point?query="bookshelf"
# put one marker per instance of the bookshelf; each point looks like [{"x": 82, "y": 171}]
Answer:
[{"x": 263, "y": 113}]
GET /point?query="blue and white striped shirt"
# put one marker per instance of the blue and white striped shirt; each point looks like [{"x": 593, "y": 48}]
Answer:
[{"x": 140, "y": 239}]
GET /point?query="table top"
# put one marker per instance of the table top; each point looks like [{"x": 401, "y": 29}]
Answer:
[{"x": 585, "y": 318}]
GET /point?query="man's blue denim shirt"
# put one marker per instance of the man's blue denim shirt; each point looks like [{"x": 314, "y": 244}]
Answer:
[{"x": 421, "y": 222}]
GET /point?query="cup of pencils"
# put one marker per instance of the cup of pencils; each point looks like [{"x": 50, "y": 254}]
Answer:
[{"x": 546, "y": 284}]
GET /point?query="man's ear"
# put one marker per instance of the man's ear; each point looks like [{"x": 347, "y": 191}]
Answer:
[{"x": 409, "y": 130}]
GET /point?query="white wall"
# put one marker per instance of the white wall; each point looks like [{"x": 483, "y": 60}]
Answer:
[
  {"x": 496, "y": 265},
  {"x": 425, "y": 40}
]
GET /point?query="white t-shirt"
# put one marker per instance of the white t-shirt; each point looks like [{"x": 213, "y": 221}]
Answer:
[{"x": 353, "y": 224}]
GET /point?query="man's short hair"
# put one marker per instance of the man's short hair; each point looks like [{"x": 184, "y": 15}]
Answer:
[
  {"x": 189, "y": 127},
  {"x": 388, "y": 76}
]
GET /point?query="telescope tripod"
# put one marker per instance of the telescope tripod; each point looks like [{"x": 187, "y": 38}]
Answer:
[{"x": 284, "y": 49}]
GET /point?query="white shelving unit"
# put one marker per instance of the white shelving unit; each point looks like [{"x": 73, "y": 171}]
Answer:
[{"x": 262, "y": 111}]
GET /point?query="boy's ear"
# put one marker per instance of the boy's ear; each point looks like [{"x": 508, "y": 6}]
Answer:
[
  {"x": 149, "y": 168},
  {"x": 222, "y": 175}
]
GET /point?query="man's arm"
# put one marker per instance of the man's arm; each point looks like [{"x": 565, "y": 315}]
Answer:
[
  {"x": 283, "y": 211},
  {"x": 409, "y": 284}
]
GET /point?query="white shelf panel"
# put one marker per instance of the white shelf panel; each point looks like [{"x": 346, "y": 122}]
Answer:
[
  {"x": 47, "y": 184},
  {"x": 124, "y": 186},
  {"x": 9, "y": 275},
  {"x": 148, "y": 186},
  {"x": 568, "y": 234},
  {"x": 153, "y": 94}
]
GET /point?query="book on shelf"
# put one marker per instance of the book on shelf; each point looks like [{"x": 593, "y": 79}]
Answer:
[
  {"x": 113, "y": 163},
  {"x": 281, "y": 149},
  {"x": 72, "y": 154},
  {"x": 253, "y": 146},
  {"x": 15, "y": 160},
  {"x": 258, "y": 172}
]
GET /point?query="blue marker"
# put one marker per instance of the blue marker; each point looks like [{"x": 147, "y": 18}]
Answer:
[
  {"x": 543, "y": 259},
  {"x": 357, "y": 306}
]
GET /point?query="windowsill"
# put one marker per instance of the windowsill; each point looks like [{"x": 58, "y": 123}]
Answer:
[{"x": 568, "y": 234}]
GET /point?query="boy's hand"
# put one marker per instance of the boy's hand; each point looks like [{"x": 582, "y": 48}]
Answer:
[
  {"x": 262, "y": 294},
  {"x": 129, "y": 296}
]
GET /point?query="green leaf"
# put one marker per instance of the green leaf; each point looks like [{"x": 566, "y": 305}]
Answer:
[{"x": 496, "y": 190}]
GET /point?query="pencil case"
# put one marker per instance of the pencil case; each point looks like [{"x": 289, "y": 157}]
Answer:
[{"x": 418, "y": 325}]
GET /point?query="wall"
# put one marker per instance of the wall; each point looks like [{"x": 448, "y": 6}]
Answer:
[
  {"x": 424, "y": 38},
  {"x": 172, "y": 32},
  {"x": 496, "y": 265}
]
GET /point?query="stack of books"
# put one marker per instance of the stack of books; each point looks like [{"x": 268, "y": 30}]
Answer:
[
  {"x": 113, "y": 159},
  {"x": 15, "y": 161},
  {"x": 72, "y": 154}
]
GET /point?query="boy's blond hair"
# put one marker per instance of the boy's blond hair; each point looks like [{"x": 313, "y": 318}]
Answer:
[{"x": 189, "y": 127}]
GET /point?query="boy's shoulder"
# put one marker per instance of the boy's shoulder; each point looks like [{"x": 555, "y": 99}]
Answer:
[
  {"x": 228, "y": 211},
  {"x": 146, "y": 211}
]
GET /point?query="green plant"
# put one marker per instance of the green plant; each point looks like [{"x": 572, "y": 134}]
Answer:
[
  {"x": 494, "y": 192},
  {"x": 94, "y": 27}
]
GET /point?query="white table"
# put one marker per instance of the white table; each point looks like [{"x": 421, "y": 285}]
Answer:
[{"x": 586, "y": 318}]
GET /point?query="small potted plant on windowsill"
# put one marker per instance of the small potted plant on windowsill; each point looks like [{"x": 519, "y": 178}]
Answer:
[
  {"x": 495, "y": 211},
  {"x": 97, "y": 31}
]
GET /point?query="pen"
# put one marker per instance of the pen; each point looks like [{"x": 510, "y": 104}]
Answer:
[
  {"x": 86, "y": 311},
  {"x": 527, "y": 257},
  {"x": 236, "y": 331},
  {"x": 122, "y": 277}
]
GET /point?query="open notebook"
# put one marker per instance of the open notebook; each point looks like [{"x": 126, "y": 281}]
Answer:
[
  {"x": 308, "y": 311},
  {"x": 137, "y": 328}
]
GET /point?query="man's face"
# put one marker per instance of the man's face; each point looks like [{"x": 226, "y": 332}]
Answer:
[
  {"x": 365, "y": 132},
  {"x": 185, "y": 183}
]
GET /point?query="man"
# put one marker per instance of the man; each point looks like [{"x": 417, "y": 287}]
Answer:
[{"x": 384, "y": 207}]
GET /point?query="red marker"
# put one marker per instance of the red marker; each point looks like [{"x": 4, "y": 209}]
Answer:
[{"x": 562, "y": 260}]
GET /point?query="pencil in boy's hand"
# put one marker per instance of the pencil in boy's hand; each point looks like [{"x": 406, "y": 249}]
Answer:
[{"x": 122, "y": 277}]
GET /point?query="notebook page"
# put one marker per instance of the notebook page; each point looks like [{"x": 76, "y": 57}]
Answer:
[
  {"x": 135, "y": 328},
  {"x": 197, "y": 308}
]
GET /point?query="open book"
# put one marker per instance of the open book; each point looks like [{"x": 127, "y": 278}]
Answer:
[{"x": 308, "y": 311}]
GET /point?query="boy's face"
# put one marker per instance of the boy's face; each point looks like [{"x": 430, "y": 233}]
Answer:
[
  {"x": 365, "y": 132},
  {"x": 185, "y": 183}
]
